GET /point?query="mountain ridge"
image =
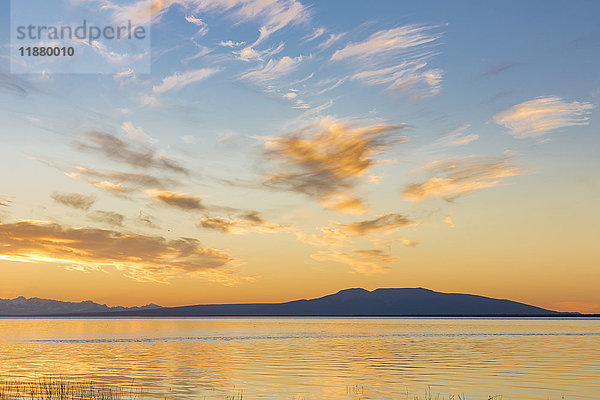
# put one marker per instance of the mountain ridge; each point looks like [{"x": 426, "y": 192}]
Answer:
[
  {"x": 38, "y": 306},
  {"x": 346, "y": 302}
]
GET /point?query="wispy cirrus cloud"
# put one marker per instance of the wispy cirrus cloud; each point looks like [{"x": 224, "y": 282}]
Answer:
[
  {"x": 397, "y": 58},
  {"x": 389, "y": 41},
  {"x": 272, "y": 15},
  {"x": 457, "y": 137},
  {"x": 404, "y": 75},
  {"x": 182, "y": 201},
  {"x": 333, "y": 38},
  {"x": 74, "y": 200},
  {"x": 202, "y": 26},
  {"x": 454, "y": 177},
  {"x": 326, "y": 160},
  {"x": 179, "y": 80},
  {"x": 140, "y": 257},
  {"x": 542, "y": 115},
  {"x": 273, "y": 70},
  {"x": 316, "y": 33}
]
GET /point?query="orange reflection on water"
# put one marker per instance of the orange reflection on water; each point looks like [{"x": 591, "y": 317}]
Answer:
[{"x": 313, "y": 358}]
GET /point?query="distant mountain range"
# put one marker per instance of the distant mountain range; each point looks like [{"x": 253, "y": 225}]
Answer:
[
  {"x": 349, "y": 302},
  {"x": 36, "y": 306}
]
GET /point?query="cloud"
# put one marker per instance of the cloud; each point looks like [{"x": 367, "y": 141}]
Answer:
[
  {"x": 251, "y": 54},
  {"x": 461, "y": 140},
  {"x": 179, "y": 80},
  {"x": 317, "y": 32},
  {"x": 544, "y": 114},
  {"x": 74, "y": 200},
  {"x": 202, "y": 26},
  {"x": 397, "y": 58},
  {"x": 498, "y": 69},
  {"x": 385, "y": 223},
  {"x": 449, "y": 221},
  {"x": 247, "y": 222},
  {"x": 454, "y": 177},
  {"x": 273, "y": 70},
  {"x": 15, "y": 84},
  {"x": 230, "y": 43},
  {"x": 330, "y": 40},
  {"x": 131, "y": 179},
  {"x": 404, "y": 76},
  {"x": 136, "y": 133},
  {"x": 456, "y": 137},
  {"x": 390, "y": 41},
  {"x": 327, "y": 159},
  {"x": 337, "y": 234},
  {"x": 366, "y": 262},
  {"x": 178, "y": 200},
  {"x": 140, "y": 257},
  {"x": 146, "y": 220},
  {"x": 136, "y": 155},
  {"x": 110, "y": 218},
  {"x": 329, "y": 236},
  {"x": 127, "y": 75},
  {"x": 272, "y": 15},
  {"x": 408, "y": 242}
]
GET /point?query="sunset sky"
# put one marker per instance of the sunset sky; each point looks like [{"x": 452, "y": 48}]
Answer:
[{"x": 284, "y": 149}]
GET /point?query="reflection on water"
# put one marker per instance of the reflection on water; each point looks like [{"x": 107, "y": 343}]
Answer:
[{"x": 313, "y": 358}]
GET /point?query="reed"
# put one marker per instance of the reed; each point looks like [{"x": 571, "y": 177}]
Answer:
[{"x": 52, "y": 388}]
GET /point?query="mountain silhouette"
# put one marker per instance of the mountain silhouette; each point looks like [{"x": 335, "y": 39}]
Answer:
[
  {"x": 36, "y": 306},
  {"x": 348, "y": 302}
]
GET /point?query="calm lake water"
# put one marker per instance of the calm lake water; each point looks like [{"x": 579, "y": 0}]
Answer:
[{"x": 313, "y": 358}]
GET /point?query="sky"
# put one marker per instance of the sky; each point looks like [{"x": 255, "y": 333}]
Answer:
[{"x": 283, "y": 149}]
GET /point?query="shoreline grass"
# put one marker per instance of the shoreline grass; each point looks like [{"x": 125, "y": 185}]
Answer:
[{"x": 60, "y": 388}]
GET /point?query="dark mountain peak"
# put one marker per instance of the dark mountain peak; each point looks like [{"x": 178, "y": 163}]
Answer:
[
  {"x": 405, "y": 290},
  {"x": 36, "y": 306},
  {"x": 351, "y": 291}
]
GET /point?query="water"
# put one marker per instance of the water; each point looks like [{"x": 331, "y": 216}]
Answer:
[{"x": 313, "y": 358}]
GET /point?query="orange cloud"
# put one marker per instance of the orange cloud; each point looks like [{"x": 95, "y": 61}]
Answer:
[
  {"x": 454, "y": 177},
  {"x": 449, "y": 221},
  {"x": 178, "y": 200},
  {"x": 328, "y": 159},
  {"x": 408, "y": 242},
  {"x": 249, "y": 222},
  {"x": 544, "y": 114},
  {"x": 386, "y": 223},
  {"x": 141, "y": 257},
  {"x": 337, "y": 234}
]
